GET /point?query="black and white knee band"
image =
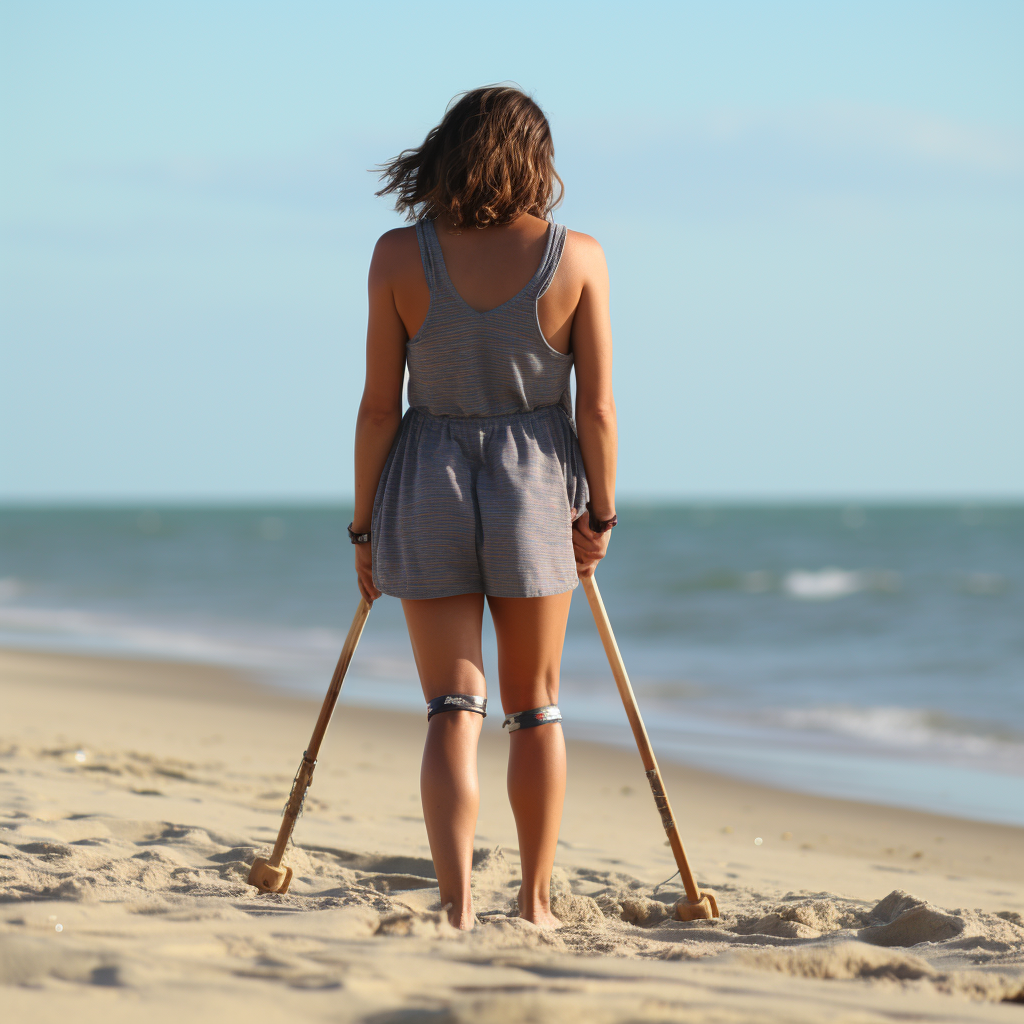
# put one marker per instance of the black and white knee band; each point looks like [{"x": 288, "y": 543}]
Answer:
[
  {"x": 457, "y": 702},
  {"x": 528, "y": 719}
]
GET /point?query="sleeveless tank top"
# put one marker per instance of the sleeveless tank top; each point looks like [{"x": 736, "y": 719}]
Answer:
[{"x": 466, "y": 363}]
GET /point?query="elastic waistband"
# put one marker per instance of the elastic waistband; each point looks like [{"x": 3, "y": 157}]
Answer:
[{"x": 487, "y": 421}]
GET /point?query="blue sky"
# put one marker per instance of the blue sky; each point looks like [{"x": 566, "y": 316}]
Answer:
[{"x": 812, "y": 214}]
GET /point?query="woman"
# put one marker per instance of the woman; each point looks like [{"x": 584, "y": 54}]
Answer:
[{"x": 481, "y": 489}]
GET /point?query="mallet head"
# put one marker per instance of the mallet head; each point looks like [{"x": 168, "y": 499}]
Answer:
[
  {"x": 268, "y": 878},
  {"x": 703, "y": 910}
]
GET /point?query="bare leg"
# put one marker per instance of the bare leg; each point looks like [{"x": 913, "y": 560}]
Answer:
[
  {"x": 531, "y": 632},
  {"x": 445, "y": 634}
]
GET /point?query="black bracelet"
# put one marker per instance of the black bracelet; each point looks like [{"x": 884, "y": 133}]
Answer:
[
  {"x": 357, "y": 538},
  {"x": 601, "y": 525}
]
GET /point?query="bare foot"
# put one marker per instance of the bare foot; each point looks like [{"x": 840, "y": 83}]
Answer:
[
  {"x": 542, "y": 919},
  {"x": 538, "y": 912},
  {"x": 464, "y": 919}
]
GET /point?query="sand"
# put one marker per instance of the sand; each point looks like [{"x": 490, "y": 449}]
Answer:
[{"x": 133, "y": 796}]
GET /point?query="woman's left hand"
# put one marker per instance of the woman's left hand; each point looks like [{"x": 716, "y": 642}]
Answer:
[
  {"x": 588, "y": 547},
  {"x": 364, "y": 573}
]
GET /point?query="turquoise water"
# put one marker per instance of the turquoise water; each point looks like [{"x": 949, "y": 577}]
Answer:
[{"x": 869, "y": 652}]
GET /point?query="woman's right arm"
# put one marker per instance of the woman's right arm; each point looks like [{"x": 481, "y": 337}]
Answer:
[
  {"x": 380, "y": 411},
  {"x": 595, "y": 404}
]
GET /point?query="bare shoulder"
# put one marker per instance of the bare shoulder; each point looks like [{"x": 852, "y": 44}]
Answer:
[
  {"x": 586, "y": 256},
  {"x": 586, "y": 245},
  {"x": 396, "y": 252}
]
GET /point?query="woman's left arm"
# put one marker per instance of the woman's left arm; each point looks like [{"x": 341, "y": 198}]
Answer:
[{"x": 380, "y": 411}]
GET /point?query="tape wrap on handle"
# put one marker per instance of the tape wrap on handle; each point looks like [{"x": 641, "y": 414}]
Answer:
[{"x": 660, "y": 800}]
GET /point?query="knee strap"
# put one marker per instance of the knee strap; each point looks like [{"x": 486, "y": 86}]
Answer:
[
  {"x": 457, "y": 702},
  {"x": 529, "y": 719}
]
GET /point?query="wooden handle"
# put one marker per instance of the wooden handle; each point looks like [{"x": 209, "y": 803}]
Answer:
[
  {"x": 344, "y": 660},
  {"x": 636, "y": 723},
  {"x": 304, "y": 776}
]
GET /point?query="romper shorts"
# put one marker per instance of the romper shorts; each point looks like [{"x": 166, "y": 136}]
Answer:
[{"x": 470, "y": 505}]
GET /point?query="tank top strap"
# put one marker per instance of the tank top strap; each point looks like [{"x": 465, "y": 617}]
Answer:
[
  {"x": 430, "y": 254},
  {"x": 552, "y": 256}
]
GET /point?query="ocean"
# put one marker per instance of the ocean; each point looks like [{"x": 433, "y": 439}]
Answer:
[{"x": 869, "y": 652}]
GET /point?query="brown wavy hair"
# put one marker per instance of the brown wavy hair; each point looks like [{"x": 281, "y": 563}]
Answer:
[{"x": 490, "y": 160}]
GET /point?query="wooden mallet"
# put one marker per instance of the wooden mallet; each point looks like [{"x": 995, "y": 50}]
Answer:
[
  {"x": 270, "y": 875},
  {"x": 698, "y": 905}
]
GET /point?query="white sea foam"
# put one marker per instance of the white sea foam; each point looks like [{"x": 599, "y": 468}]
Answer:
[
  {"x": 918, "y": 730},
  {"x": 829, "y": 583},
  {"x": 825, "y": 585}
]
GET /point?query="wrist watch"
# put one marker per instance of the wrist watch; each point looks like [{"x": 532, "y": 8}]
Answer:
[
  {"x": 601, "y": 525},
  {"x": 357, "y": 538}
]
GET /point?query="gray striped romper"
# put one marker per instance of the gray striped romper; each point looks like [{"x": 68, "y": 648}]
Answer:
[{"x": 485, "y": 476}]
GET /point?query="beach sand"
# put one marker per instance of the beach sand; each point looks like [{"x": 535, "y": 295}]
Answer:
[{"x": 134, "y": 795}]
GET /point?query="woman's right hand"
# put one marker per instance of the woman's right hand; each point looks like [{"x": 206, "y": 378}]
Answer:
[
  {"x": 588, "y": 547},
  {"x": 364, "y": 573}
]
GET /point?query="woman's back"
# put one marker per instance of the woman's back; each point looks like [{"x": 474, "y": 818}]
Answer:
[
  {"x": 490, "y": 361},
  {"x": 489, "y": 267}
]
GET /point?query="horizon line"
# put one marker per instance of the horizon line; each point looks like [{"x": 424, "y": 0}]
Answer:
[{"x": 629, "y": 501}]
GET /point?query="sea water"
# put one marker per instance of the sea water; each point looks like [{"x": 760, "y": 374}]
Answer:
[{"x": 874, "y": 653}]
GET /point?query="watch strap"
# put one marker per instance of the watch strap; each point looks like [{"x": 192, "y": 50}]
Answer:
[{"x": 600, "y": 525}]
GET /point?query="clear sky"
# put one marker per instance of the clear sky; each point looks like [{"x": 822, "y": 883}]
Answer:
[{"x": 812, "y": 214}]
